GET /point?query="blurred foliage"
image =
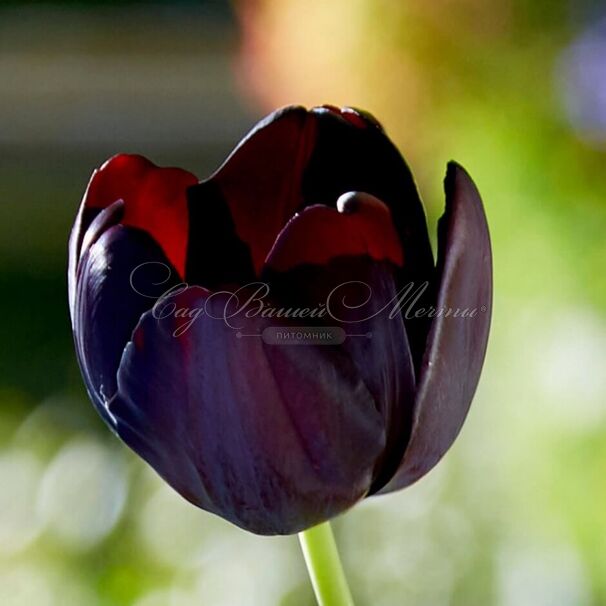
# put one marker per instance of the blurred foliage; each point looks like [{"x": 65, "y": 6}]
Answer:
[{"x": 514, "y": 516}]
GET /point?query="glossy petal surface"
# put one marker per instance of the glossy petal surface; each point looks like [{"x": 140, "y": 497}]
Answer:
[
  {"x": 296, "y": 158},
  {"x": 120, "y": 276},
  {"x": 350, "y": 157},
  {"x": 261, "y": 179},
  {"x": 456, "y": 345},
  {"x": 272, "y": 438},
  {"x": 348, "y": 260}
]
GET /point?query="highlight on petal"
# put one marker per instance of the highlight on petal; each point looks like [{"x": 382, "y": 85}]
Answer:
[
  {"x": 121, "y": 274},
  {"x": 456, "y": 346},
  {"x": 353, "y": 115},
  {"x": 361, "y": 225},
  {"x": 347, "y": 158},
  {"x": 105, "y": 219}
]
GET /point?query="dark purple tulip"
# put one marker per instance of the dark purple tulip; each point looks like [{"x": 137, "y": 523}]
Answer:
[{"x": 320, "y": 207}]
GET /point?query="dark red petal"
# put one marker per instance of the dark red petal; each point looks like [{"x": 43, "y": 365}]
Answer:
[
  {"x": 118, "y": 178},
  {"x": 360, "y": 226},
  {"x": 456, "y": 345},
  {"x": 273, "y": 438},
  {"x": 114, "y": 180},
  {"x": 349, "y": 158},
  {"x": 346, "y": 259},
  {"x": 261, "y": 179},
  {"x": 296, "y": 158},
  {"x": 154, "y": 199}
]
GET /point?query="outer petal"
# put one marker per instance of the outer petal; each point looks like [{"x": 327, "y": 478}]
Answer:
[
  {"x": 96, "y": 223},
  {"x": 456, "y": 345},
  {"x": 154, "y": 201},
  {"x": 120, "y": 276},
  {"x": 347, "y": 261},
  {"x": 261, "y": 180},
  {"x": 273, "y": 438}
]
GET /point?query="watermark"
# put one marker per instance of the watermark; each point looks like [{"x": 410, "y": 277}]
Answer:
[
  {"x": 347, "y": 304},
  {"x": 300, "y": 335}
]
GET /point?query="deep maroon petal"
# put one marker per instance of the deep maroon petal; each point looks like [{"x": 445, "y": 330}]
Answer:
[
  {"x": 154, "y": 201},
  {"x": 456, "y": 345},
  {"x": 120, "y": 276},
  {"x": 97, "y": 223},
  {"x": 297, "y": 158},
  {"x": 346, "y": 260},
  {"x": 261, "y": 180},
  {"x": 354, "y": 154},
  {"x": 361, "y": 225},
  {"x": 273, "y": 438},
  {"x": 361, "y": 293}
]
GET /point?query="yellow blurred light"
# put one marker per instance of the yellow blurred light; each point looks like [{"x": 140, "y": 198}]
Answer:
[
  {"x": 20, "y": 473},
  {"x": 83, "y": 493}
]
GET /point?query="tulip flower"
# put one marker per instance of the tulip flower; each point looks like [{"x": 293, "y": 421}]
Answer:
[{"x": 199, "y": 310}]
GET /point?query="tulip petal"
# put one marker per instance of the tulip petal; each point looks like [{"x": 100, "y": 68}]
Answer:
[
  {"x": 154, "y": 201},
  {"x": 456, "y": 346},
  {"x": 348, "y": 157},
  {"x": 80, "y": 242},
  {"x": 110, "y": 300},
  {"x": 273, "y": 438},
  {"x": 362, "y": 225},
  {"x": 261, "y": 179},
  {"x": 215, "y": 254},
  {"x": 346, "y": 260},
  {"x": 359, "y": 295},
  {"x": 297, "y": 158},
  {"x": 115, "y": 180}
]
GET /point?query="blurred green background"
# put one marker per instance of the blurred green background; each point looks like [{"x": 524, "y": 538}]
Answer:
[{"x": 515, "y": 90}]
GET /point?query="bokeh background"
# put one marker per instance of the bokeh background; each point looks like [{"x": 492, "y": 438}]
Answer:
[{"x": 515, "y": 90}]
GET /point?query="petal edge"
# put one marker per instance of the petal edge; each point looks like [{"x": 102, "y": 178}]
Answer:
[{"x": 456, "y": 346}]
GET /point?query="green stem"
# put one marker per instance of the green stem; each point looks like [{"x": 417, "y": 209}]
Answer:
[{"x": 324, "y": 566}]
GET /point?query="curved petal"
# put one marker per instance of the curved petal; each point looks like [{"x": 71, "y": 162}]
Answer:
[
  {"x": 154, "y": 201},
  {"x": 114, "y": 180},
  {"x": 261, "y": 179},
  {"x": 120, "y": 276},
  {"x": 296, "y": 158},
  {"x": 80, "y": 243},
  {"x": 349, "y": 157},
  {"x": 273, "y": 438},
  {"x": 346, "y": 261},
  {"x": 361, "y": 225},
  {"x": 456, "y": 346}
]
